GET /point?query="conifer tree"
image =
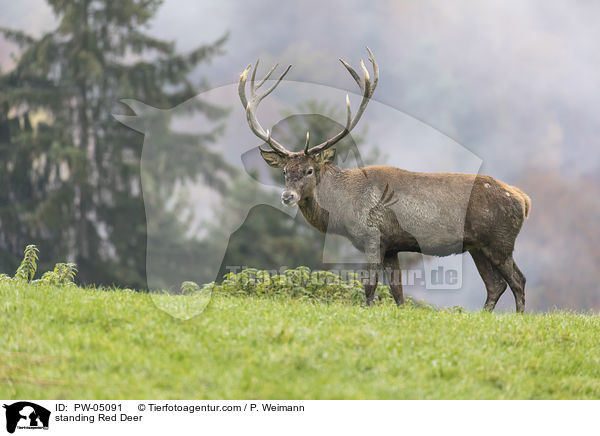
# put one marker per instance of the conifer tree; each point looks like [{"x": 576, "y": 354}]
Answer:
[{"x": 69, "y": 172}]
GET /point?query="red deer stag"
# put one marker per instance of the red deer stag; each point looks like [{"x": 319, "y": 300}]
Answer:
[{"x": 385, "y": 210}]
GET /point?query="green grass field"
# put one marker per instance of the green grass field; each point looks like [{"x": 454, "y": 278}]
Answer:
[{"x": 68, "y": 342}]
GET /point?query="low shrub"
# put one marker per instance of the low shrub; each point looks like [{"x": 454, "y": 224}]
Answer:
[
  {"x": 62, "y": 275},
  {"x": 303, "y": 284}
]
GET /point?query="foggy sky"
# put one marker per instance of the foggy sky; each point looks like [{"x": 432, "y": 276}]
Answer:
[{"x": 520, "y": 77}]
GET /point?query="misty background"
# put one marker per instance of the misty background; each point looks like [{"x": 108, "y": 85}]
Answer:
[{"x": 512, "y": 83}]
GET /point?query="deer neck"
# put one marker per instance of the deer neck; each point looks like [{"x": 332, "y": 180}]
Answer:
[{"x": 325, "y": 199}]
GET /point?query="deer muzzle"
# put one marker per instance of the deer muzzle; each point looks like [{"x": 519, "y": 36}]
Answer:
[{"x": 289, "y": 198}]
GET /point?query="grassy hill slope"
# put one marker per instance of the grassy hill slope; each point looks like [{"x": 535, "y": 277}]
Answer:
[{"x": 83, "y": 343}]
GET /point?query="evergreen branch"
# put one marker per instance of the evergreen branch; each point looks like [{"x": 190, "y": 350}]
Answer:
[{"x": 17, "y": 36}]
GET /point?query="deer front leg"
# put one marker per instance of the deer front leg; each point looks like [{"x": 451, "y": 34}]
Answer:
[
  {"x": 371, "y": 283},
  {"x": 373, "y": 254},
  {"x": 378, "y": 204}
]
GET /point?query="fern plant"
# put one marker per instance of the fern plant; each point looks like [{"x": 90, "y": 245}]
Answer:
[
  {"x": 63, "y": 274},
  {"x": 28, "y": 266}
]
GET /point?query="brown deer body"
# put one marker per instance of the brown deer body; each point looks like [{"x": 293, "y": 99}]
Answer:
[{"x": 386, "y": 210}]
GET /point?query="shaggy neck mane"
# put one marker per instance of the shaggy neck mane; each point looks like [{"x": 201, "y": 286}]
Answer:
[{"x": 325, "y": 193}]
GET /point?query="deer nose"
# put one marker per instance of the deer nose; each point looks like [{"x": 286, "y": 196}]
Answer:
[{"x": 288, "y": 197}]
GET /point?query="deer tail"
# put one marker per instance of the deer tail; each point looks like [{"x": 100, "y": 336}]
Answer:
[{"x": 524, "y": 199}]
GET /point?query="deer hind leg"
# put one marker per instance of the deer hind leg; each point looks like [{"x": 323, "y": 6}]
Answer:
[
  {"x": 513, "y": 275},
  {"x": 519, "y": 287},
  {"x": 494, "y": 282},
  {"x": 371, "y": 285},
  {"x": 392, "y": 270}
]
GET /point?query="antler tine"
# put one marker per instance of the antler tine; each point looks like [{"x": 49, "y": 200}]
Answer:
[
  {"x": 272, "y": 88},
  {"x": 375, "y": 68},
  {"x": 267, "y": 141},
  {"x": 307, "y": 141},
  {"x": 367, "y": 89},
  {"x": 261, "y": 83},
  {"x": 252, "y": 79},
  {"x": 354, "y": 75},
  {"x": 242, "y": 86}
]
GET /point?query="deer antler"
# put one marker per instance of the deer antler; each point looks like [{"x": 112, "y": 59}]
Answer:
[
  {"x": 255, "y": 99},
  {"x": 367, "y": 89}
]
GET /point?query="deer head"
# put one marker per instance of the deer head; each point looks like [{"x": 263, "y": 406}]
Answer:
[{"x": 303, "y": 169}]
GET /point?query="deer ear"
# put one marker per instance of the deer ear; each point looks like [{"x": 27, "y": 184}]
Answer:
[
  {"x": 273, "y": 159},
  {"x": 327, "y": 156}
]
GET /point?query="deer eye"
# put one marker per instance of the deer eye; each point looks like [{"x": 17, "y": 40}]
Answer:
[{"x": 309, "y": 171}]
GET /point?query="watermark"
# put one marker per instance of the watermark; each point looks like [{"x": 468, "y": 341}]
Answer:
[
  {"x": 231, "y": 209},
  {"x": 266, "y": 417},
  {"x": 429, "y": 279},
  {"x": 25, "y": 415}
]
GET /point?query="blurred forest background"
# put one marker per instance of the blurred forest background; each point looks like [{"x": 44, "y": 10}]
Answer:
[{"x": 514, "y": 82}]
